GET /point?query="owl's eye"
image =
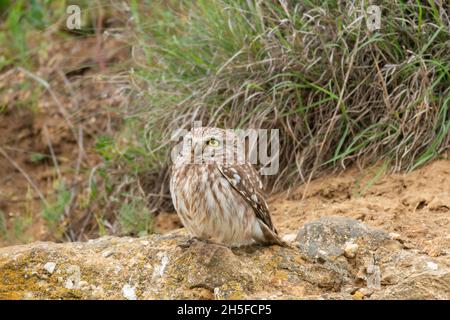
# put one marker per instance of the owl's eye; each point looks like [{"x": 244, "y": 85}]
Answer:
[{"x": 213, "y": 142}]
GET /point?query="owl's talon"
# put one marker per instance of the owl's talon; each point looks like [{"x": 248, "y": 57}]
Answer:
[{"x": 189, "y": 242}]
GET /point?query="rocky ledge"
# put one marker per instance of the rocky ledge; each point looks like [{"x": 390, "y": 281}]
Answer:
[{"x": 332, "y": 258}]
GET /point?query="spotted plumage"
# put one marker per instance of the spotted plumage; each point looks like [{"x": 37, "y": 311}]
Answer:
[{"x": 218, "y": 199}]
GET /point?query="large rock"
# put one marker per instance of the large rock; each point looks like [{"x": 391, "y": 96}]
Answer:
[
  {"x": 372, "y": 263},
  {"x": 337, "y": 259},
  {"x": 331, "y": 237}
]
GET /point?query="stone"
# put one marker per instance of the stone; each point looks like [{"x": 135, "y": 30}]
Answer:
[
  {"x": 50, "y": 267},
  {"x": 107, "y": 253},
  {"x": 317, "y": 268},
  {"x": 129, "y": 292},
  {"x": 289, "y": 237},
  {"x": 350, "y": 249},
  {"x": 329, "y": 236}
]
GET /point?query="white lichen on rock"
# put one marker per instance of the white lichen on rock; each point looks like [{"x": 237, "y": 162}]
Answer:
[
  {"x": 50, "y": 267},
  {"x": 129, "y": 292},
  {"x": 159, "y": 269}
]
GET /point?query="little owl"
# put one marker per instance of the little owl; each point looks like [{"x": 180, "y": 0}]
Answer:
[{"x": 220, "y": 200}]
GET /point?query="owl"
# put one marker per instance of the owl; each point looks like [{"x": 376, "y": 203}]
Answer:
[{"x": 217, "y": 193}]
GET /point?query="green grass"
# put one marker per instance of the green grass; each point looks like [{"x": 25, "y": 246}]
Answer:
[
  {"x": 23, "y": 21},
  {"x": 54, "y": 211},
  {"x": 16, "y": 232},
  {"x": 27, "y": 27},
  {"x": 3, "y": 226},
  {"x": 134, "y": 218}
]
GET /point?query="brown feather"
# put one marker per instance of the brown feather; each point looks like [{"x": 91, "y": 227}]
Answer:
[{"x": 249, "y": 186}]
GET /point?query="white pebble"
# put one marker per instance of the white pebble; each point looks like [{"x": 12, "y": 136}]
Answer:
[
  {"x": 394, "y": 236},
  {"x": 68, "y": 284},
  {"x": 350, "y": 249},
  {"x": 159, "y": 269},
  {"x": 107, "y": 253},
  {"x": 129, "y": 292},
  {"x": 289, "y": 237},
  {"x": 50, "y": 267},
  {"x": 433, "y": 266}
]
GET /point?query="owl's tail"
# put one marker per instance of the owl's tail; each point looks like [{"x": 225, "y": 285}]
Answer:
[{"x": 271, "y": 236}]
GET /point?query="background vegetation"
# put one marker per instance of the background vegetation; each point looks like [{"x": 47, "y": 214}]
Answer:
[{"x": 339, "y": 93}]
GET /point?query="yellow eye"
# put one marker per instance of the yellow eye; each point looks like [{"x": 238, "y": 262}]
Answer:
[{"x": 213, "y": 142}]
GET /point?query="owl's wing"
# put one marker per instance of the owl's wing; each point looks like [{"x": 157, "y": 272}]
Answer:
[{"x": 246, "y": 181}]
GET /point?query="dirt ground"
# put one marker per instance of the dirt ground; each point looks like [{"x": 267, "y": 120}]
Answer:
[
  {"x": 48, "y": 134},
  {"x": 415, "y": 205}
]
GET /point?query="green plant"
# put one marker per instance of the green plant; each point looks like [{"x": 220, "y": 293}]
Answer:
[
  {"x": 19, "y": 227},
  {"x": 134, "y": 218},
  {"x": 54, "y": 211},
  {"x": 38, "y": 157},
  {"x": 3, "y": 226},
  {"x": 16, "y": 231},
  {"x": 17, "y": 34}
]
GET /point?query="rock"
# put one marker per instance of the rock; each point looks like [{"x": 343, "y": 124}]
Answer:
[
  {"x": 107, "y": 253},
  {"x": 334, "y": 241},
  {"x": 128, "y": 292},
  {"x": 362, "y": 293},
  {"x": 418, "y": 284},
  {"x": 395, "y": 236},
  {"x": 289, "y": 237},
  {"x": 350, "y": 249},
  {"x": 370, "y": 260},
  {"x": 163, "y": 267},
  {"x": 328, "y": 237},
  {"x": 50, "y": 267}
]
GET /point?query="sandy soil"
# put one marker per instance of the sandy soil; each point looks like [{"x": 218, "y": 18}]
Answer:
[{"x": 415, "y": 205}]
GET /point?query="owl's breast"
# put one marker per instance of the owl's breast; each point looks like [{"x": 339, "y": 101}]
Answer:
[{"x": 207, "y": 204}]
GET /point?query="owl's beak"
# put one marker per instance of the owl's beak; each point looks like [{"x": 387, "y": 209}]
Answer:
[{"x": 197, "y": 150}]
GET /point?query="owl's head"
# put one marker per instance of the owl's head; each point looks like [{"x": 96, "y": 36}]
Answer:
[{"x": 208, "y": 145}]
